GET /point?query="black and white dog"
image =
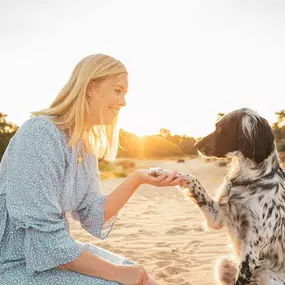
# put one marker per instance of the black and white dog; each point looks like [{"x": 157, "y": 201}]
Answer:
[{"x": 251, "y": 201}]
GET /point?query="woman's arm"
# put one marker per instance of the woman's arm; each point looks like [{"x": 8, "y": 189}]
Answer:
[
  {"x": 92, "y": 265},
  {"x": 118, "y": 198}
]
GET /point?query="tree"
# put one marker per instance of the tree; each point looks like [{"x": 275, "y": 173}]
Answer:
[
  {"x": 280, "y": 117},
  {"x": 161, "y": 145},
  {"x": 165, "y": 133},
  {"x": 279, "y": 130},
  {"x": 219, "y": 116},
  {"x": 7, "y": 131}
]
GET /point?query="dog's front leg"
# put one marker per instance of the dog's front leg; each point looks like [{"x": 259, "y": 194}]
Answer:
[
  {"x": 248, "y": 264},
  {"x": 212, "y": 211}
]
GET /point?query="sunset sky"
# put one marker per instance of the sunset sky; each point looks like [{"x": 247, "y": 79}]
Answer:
[{"x": 187, "y": 60}]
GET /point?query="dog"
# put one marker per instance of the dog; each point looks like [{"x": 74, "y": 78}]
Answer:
[{"x": 250, "y": 203}]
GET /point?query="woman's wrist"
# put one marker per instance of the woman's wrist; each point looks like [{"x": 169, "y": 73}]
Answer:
[
  {"x": 142, "y": 176},
  {"x": 137, "y": 178}
]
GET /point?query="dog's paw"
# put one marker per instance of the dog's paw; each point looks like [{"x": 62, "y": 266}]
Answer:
[
  {"x": 156, "y": 171},
  {"x": 189, "y": 179}
]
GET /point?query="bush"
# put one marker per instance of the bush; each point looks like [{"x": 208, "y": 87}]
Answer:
[
  {"x": 120, "y": 174},
  {"x": 118, "y": 169},
  {"x": 7, "y": 131},
  {"x": 105, "y": 165},
  {"x": 126, "y": 164},
  {"x": 280, "y": 145}
]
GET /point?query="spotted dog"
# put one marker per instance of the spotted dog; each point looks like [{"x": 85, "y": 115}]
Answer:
[{"x": 250, "y": 203}]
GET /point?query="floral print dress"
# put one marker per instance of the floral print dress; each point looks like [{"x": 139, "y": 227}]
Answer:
[{"x": 42, "y": 179}]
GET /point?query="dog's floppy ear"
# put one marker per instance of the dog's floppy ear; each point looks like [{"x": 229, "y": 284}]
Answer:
[{"x": 256, "y": 139}]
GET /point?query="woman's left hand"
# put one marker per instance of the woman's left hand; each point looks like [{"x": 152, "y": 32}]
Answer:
[{"x": 143, "y": 177}]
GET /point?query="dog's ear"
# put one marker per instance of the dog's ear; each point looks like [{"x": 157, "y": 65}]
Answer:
[{"x": 256, "y": 139}]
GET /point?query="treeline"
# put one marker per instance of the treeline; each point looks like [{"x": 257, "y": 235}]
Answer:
[
  {"x": 159, "y": 145},
  {"x": 279, "y": 130}
]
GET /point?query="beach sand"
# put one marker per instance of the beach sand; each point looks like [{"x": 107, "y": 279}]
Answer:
[{"x": 160, "y": 229}]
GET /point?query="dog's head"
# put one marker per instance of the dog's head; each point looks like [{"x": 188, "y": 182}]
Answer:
[{"x": 242, "y": 131}]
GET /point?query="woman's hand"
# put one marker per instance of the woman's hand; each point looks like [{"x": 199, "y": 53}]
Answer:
[
  {"x": 133, "y": 275},
  {"x": 143, "y": 177}
]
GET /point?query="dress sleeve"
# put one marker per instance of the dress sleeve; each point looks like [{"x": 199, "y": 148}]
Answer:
[
  {"x": 90, "y": 212},
  {"x": 36, "y": 168}
]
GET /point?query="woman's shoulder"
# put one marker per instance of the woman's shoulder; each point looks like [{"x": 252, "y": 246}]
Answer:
[
  {"x": 39, "y": 122},
  {"x": 38, "y": 133},
  {"x": 39, "y": 127}
]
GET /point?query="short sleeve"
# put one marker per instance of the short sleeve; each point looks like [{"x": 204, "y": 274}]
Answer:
[
  {"x": 90, "y": 212},
  {"x": 36, "y": 168}
]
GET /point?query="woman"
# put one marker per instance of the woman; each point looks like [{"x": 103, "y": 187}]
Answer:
[{"x": 50, "y": 167}]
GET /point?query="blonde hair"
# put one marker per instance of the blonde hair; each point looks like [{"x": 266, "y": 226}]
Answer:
[{"x": 70, "y": 107}]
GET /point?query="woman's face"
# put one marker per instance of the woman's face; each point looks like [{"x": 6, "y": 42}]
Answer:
[{"x": 106, "y": 99}]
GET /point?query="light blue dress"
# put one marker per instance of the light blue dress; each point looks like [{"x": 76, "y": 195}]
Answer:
[{"x": 40, "y": 181}]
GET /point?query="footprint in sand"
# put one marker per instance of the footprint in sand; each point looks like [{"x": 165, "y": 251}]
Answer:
[
  {"x": 164, "y": 263},
  {"x": 162, "y": 255},
  {"x": 198, "y": 229},
  {"x": 177, "y": 230},
  {"x": 161, "y": 244},
  {"x": 175, "y": 270},
  {"x": 132, "y": 236},
  {"x": 178, "y": 220},
  {"x": 185, "y": 283},
  {"x": 149, "y": 212},
  {"x": 161, "y": 275},
  {"x": 178, "y": 281},
  {"x": 191, "y": 247}
]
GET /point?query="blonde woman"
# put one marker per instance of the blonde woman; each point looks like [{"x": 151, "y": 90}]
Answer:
[{"x": 50, "y": 167}]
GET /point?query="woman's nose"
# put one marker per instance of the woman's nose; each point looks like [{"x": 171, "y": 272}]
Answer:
[{"x": 123, "y": 102}]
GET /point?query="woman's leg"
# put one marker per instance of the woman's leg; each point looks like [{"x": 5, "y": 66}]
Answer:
[{"x": 106, "y": 254}]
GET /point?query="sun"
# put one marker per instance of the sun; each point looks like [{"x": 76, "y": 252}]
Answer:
[{"x": 140, "y": 131}]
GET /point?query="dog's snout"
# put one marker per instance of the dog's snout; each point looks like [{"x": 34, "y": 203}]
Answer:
[{"x": 205, "y": 146}]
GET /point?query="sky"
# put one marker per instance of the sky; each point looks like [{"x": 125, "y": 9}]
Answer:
[{"x": 187, "y": 59}]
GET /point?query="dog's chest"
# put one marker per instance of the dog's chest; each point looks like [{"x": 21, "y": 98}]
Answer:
[
  {"x": 235, "y": 204},
  {"x": 238, "y": 215},
  {"x": 259, "y": 218}
]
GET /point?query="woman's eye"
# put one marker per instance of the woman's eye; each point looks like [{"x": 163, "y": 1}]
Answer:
[{"x": 117, "y": 91}]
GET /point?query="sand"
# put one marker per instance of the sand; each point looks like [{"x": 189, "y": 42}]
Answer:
[{"x": 163, "y": 231}]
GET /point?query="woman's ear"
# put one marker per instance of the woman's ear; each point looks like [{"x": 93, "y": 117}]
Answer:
[
  {"x": 93, "y": 87},
  {"x": 89, "y": 90}
]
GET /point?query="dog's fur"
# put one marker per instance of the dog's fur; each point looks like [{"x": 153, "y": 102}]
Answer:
[{"x": 251, "y": 201}]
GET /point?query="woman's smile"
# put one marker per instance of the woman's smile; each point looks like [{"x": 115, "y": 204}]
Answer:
[{"x": 115, "y": 110}]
